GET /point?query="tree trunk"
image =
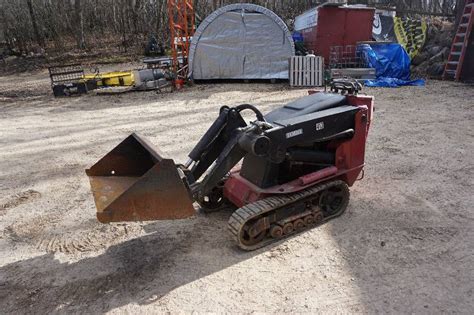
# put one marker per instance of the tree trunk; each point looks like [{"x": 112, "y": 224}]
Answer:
[
  {"x": 81, "y": 42},
  {"x": 38, "y": 38},
  {"x": 136, "y": 9}
]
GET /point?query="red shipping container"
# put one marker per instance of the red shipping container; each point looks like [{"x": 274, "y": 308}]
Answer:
[{"x": 330, "y": 25}]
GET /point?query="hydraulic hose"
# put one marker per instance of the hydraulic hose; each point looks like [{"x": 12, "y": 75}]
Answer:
[
  {"x": 216, "y": 128},
  {"x": 258, "y": 113}
]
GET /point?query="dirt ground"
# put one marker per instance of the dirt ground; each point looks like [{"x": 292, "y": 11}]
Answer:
[{"x": 405, "y": 244}]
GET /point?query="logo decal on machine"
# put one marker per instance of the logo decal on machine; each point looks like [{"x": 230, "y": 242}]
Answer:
[
  {"x": 320, "y": 125},
  {"x": 294, "y": 133}
]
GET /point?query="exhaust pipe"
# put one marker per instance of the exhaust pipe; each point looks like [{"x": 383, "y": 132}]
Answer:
[{"x": 133, "y": 182}]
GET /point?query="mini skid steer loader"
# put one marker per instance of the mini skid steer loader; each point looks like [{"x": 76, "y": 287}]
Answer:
[{"x": 297, "y": 164}]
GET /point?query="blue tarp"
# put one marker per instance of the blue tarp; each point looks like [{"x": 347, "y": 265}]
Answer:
[
  {"x": 391, "y": 63},
  {"x": 297, "y": 37},
  {"x": 393, "y": 82}
]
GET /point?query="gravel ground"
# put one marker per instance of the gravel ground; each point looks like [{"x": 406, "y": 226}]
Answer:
[{"x": 405, "y": 244}]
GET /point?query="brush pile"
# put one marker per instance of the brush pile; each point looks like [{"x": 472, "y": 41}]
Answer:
[{"x": 432, "y": 59}]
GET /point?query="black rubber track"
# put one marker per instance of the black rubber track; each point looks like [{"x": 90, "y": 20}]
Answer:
[{"x": 243, "y": 215}]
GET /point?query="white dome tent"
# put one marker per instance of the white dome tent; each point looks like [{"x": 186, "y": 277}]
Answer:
[{"x": 241, "y": 41}]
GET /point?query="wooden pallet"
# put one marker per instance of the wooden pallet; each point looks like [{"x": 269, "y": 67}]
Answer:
[
  {"x": 454, "y": 65},
  {"x": 306, "y": 71}
]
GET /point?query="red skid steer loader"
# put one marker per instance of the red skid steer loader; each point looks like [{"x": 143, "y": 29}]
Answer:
[{"x": 298, "y": 162}]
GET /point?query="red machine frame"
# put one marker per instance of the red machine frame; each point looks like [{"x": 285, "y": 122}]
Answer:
[{"x": 349, "y": 162}]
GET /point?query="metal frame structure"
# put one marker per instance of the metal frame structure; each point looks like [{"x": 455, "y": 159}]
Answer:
[
  {"x": 347, "y": 56},
  {"x": 182, "y": 27},
  {"x": 67, "y": 80}
]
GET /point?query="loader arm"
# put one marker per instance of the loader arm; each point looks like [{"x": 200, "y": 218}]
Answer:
[
  {"x": 220, "y": 149},
  {"x": 212, "y": 144}
]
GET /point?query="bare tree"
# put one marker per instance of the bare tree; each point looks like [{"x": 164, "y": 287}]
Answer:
[
  {"x": 103, "y": 24},
  {"x": 79, "y": 21},
  {"x": 38, "y": 38}
]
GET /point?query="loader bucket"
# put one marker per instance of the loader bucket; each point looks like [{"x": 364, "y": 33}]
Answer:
[{"x": 133, "y": 182}]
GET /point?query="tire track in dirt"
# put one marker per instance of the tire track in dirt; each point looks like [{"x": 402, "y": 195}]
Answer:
[
  {"x": 50, "y": 234},
  {"x": 19, "y": 199},
  {"x": 99, "y": 237},
  {"x": 63, "y": 228}
]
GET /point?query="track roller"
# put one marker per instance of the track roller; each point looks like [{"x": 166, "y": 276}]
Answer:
[
  {"x": 264, "y": 221},
  {"x": 308, "y": 220},
  {"x": 276, "y": 231},
  {"x": 299, "y": 225},
  {"x": 288, "y": 228}
]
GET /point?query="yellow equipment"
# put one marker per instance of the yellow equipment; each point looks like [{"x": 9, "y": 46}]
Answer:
[{"x": 117, "y": 78}]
